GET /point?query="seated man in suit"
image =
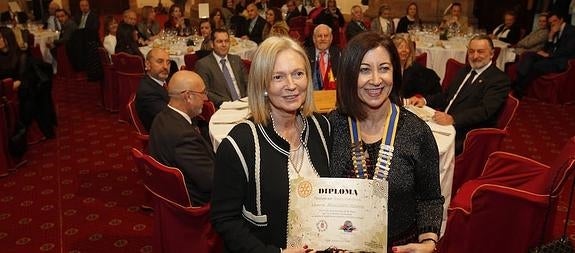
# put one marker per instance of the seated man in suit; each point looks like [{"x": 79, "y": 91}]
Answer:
[
  {"x": 476, "y": 95},
  {"x": 253, "y": 27},
  {"x": 176, "y": 141},
  {"x": 509, "y": 31},
  {"x": 558, "y": 50},
  {"x": 323, "y": 57},
  {"x": 68, "y": 27},
  {"x": 355, "y": 26},
  {"x": 292, "y": 11},
  {"x": 224, "y": 74},
  {"x": 151, "y": 96}
]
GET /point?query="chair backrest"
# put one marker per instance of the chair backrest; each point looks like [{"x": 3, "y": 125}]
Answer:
[
  {"x": 507, "y": 112},
  {"x": 421, "y": 59},
  {"x": 298, "y": 24},
  {"x": 247, "y": 64},
  {"x": 190, "y": 61},
  {"x": 163, "y": 181},
  {"x": 294, "y": 34},
  {"x": 64, "y": 67},
  {"x": 208, "y": 110},
  {"x": 452, "y": 66},
  {"x": 104, "y": 56},
  {"x": 128, "y": 64},
  {"x": 134, "y": 116},
  {"x": 478, "y": 145}
]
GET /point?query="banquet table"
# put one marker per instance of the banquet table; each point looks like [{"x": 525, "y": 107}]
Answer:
[
  {"x": 177, "y": 49},
  {"x": 41, "y": 38},
  {"x": 438, "y": 52},
  {"x": 232, "y": 113}
]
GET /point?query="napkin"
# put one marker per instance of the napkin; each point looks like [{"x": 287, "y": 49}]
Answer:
[{"x": 424, "y": 113}]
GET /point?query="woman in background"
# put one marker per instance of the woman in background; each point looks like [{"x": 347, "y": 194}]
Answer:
[
  {"x": 534, "y": 41},
  {"x": 217, "y": 19},
  {"x": 275, "y": 25},
  {"x": 417, "y": 79},
  {"x": 148, "y": 26},
  {"x": 383, "y": 23},
  {"x": 176, "y": 21},
  {"x": 206, "y": 28},
  {"x": 369, "y": 81},
  {"x": 454, "y": 19},
  {"x": 110, "y": 29},
  {"x": 411, "y": 18},
  {"x": 127, "y": 40}
]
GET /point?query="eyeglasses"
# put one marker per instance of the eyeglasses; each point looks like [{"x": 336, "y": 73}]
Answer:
[{"x": 201, "y": 93}]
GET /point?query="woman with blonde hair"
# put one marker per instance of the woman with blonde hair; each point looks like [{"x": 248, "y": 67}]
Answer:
[
  {"x": 148, "y": 26},
  {"x": 283, "y": 140},
  {"x": 417, "y": 79}
]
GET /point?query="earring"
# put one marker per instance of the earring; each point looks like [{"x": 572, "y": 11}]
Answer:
[{"x": 265, "y": 93}]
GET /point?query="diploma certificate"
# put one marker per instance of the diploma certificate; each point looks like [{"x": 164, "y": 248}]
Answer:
[{"x": 345, "y": 213}]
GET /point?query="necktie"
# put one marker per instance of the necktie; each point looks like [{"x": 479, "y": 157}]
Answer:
[
  {"x": 467, "y": 83},
  {"x": 83, "y": 21},
  {"x": 322, "y": 65},
  {"x": 361, "y": 25},
  {"x": 229, "y": 81}
]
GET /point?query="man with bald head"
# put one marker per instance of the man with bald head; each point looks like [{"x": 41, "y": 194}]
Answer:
[
  {"x": 151, "y": 96},
  {"x": 175, "y": 140},
  {"x": 323, "y": 57}
]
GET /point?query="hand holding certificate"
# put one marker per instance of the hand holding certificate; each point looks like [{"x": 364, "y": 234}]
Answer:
[{"x": 347, "y": 214}]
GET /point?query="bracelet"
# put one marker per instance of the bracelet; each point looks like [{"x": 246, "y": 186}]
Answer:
[{"x": 428, "y": 239}]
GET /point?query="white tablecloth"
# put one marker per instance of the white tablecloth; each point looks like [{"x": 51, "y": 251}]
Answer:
[
  {"x": 245, "y": 49},
  {"x": 455, "y": 48},
  {"x": 41, "y": 37},
  {"x": 231, "y": 113}
]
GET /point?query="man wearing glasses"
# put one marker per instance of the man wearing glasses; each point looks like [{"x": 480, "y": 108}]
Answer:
[{"x": 176, "y": 141}]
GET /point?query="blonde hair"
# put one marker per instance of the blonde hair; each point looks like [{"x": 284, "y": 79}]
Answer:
[
  {"x": 261, "y": 72},
  {"x": 404, "y": 38}
]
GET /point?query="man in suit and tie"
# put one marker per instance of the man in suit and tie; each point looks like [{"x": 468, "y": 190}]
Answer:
[
  {"x": 252, "y": 28},
  {"x": 476, "y": 95},
  {"x": 558, "y": 50},
  {"x": 176, "y": 141},
  {"x": 87, "y": 19},
  {"x": 355, "y": 26},
  {"x": 324, "y": 58},
  {"x": 224, "y": 74},
  {"x": 293, "y": 11},
  {"x": 151, "y": 96},
  {"x": 68, "y": 27}
]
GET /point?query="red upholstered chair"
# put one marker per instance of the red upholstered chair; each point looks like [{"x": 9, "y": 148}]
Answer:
[
  {"x": 555, "y": 88},
  {"x": 190, "y": 61},
  {"x": 421, "y": 59},
  {"x": 295, "y": 35},
  {"x": 65, "y": 71},
  {"x": 178, "y": 226},
  {"x": 298, "y": 24},
  {"x": 207, "y": 111},
  {"x": 129, "y": 71},
  {"x": 135, "y": 120},
  {"x": 479, "y": 144},
  {"x": 247, "y": 65},
  {"x": 504, "y": 209},
  {"x": 452, "y": 66},
  {"x": 4, "y": 155},
  {"x": 109, "y": 83}
]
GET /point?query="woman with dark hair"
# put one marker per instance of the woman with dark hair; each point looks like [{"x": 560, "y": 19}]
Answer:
[
  {"x": 275, "y": 25},
  {"x": 217, "y": 19},
  {"x": 227, "y": 10},
  {"x": 206, "y": 28},
  {"x": 417, "y": 79},
  {"x": 148, "y": 26},
  {"x": 110, "y": 29},
  {"x": 411, "y": 18},
  {"x": 127, "y": 40},
  {"x": 176, "y": 21},
  {"x": 405, "y": 160}
]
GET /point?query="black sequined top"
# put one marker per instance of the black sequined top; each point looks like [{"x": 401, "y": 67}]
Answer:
[{"x": 415, "y": 200}]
